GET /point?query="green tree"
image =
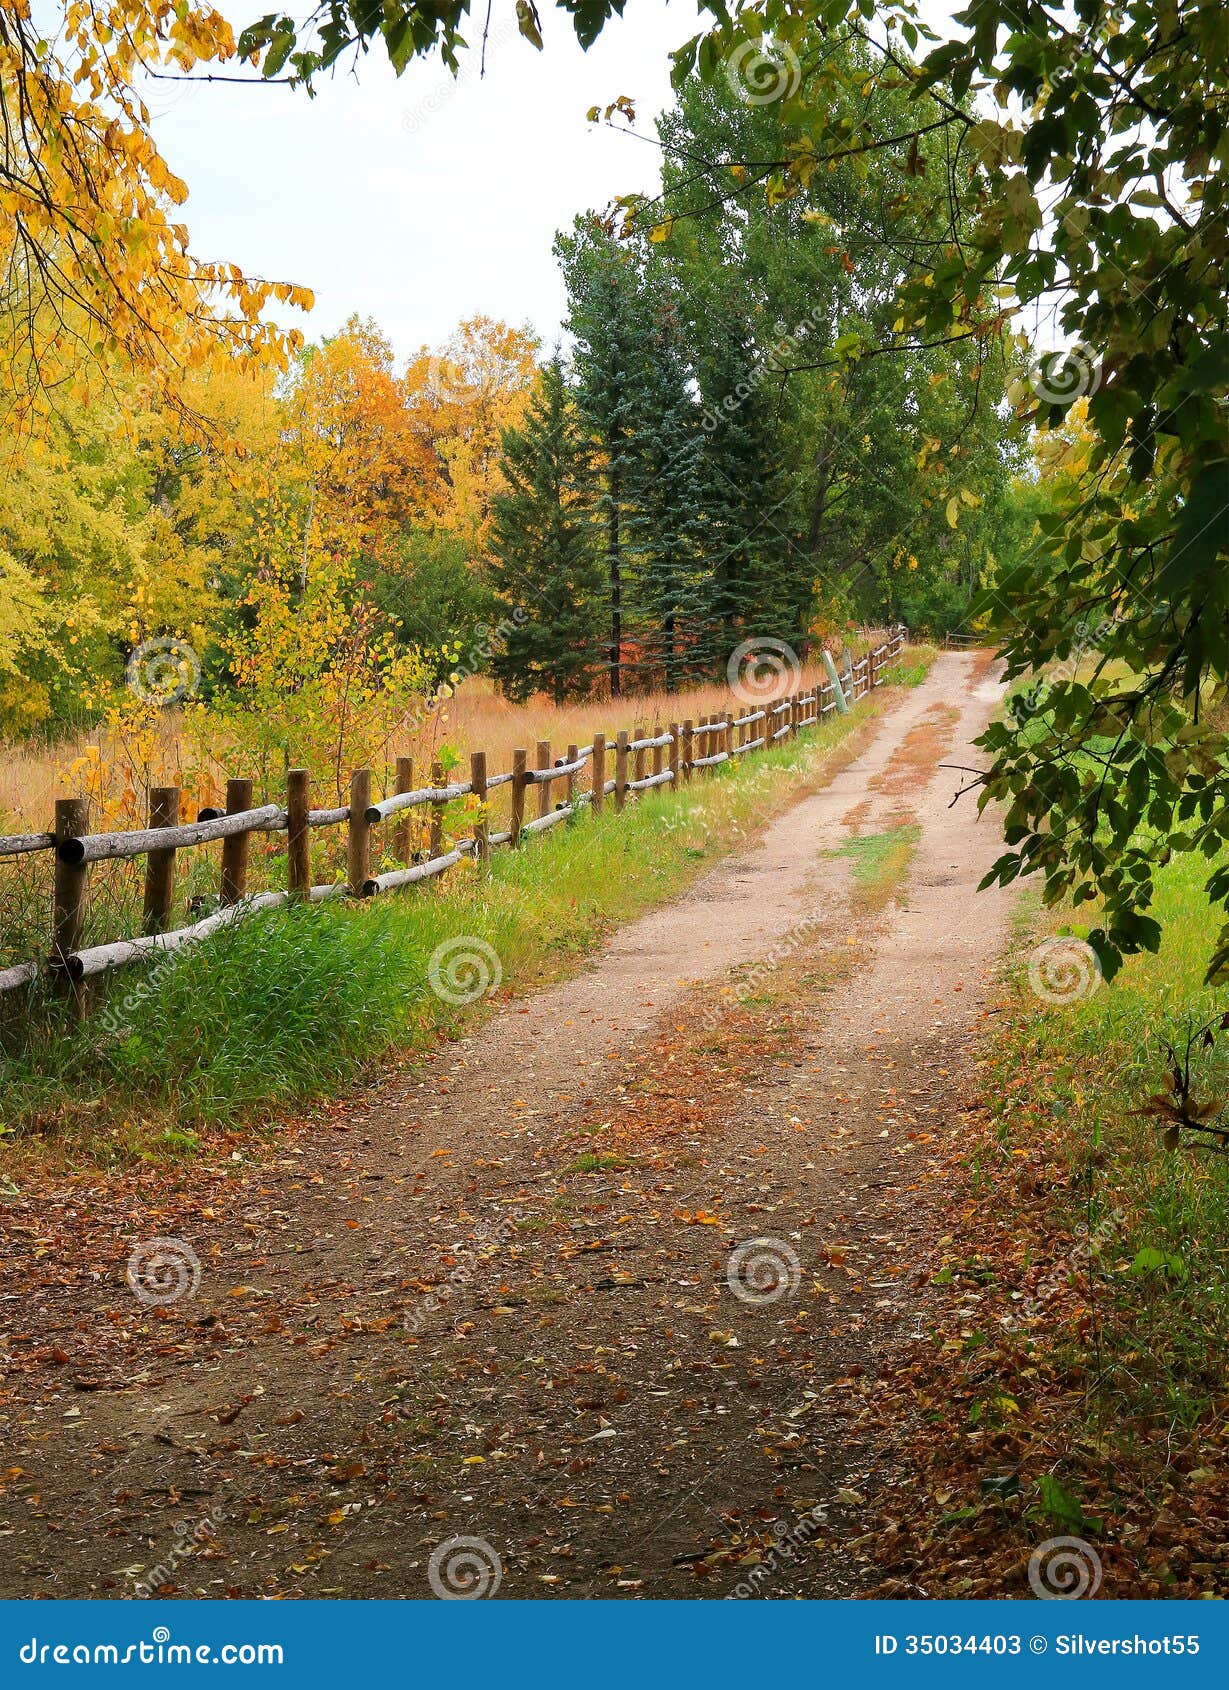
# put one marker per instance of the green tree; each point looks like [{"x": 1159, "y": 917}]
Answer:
[
  {"x": 608, "y": 321},
  {"x": 834, "y": 469},
  {"x": 667, "y": 527},
  {"x": 544, "y": 563},
  {"x": 431, "y": 591},
  {"x": 1083, "y": 175}
]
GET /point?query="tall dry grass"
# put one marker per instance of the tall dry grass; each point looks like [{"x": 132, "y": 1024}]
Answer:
[{"x": 477, "y": 717}]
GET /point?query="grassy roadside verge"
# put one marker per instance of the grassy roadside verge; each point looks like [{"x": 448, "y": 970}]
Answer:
[
  {"x": 1076, "y": 1381},
  {"x": 288, "y": 1007}
]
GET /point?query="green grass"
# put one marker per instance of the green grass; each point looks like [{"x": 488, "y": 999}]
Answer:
[
  {"x": 592, "y": 1164},
  {"x": 912, "y": 667},
  {"x": 1080, "y": 1072},
  {"x": 880, "y": 862},
  {"x": 292, "y": 1005}
]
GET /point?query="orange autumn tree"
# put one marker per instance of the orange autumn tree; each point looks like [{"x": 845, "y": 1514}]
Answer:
[
  {"x": 461, "y": 397},
  {"x": 362, "y": 470},
  {"x": 99, "y": 281}
]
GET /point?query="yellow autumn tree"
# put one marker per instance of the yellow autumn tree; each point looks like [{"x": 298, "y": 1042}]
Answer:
[
  {"x": 114, "y": 537},
  {"x": 461, "y": 398},
  {"x": 99, "y": 281},
  {"x": 317, "y": 679},
  {"x": 25, "y": 621}
]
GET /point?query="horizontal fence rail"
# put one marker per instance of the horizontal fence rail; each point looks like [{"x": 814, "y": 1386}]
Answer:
[{"x": 640, "y": 764}]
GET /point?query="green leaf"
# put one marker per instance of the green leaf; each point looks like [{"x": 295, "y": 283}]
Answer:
[
  {"x": 1151, "y": 1260},
  {"x": 1210, "y": 369},
  {"x": 1204, "y": 527},
  {"x": 1059, "y": 1504}
]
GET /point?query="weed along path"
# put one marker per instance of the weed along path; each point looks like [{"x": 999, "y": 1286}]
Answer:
[{"x": 574, "y": 1306}]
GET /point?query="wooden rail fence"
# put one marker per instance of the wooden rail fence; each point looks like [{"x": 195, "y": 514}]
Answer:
[{"x": 641, "y": 762}]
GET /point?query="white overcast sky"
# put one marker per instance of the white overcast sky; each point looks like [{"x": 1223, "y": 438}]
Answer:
[{"x": 420, "y": 200}]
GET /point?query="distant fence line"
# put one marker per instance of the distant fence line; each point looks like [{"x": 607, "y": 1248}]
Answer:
[{"x": 639, "y": 765}]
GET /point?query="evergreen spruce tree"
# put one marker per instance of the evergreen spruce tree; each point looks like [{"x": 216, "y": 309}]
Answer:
[
  {"x": 545, "y": 561},
  {"x": 667, "y": 519},
  {"x": 609, "y": 320},
  {"x": 746, "y": 504}
]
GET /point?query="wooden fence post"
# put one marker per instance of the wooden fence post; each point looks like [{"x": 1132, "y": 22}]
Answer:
[
  {"x": 570, "y": 789},
  {"x": 674, "y": 756},
  {"x": 688, "y": 748},
  {"x": 638, "y": 764},
  {"x": 599, "y": 773},
  {"x": 544, "y": 786},
  {"x": 401, "y": 833},
  {"x": 235, "y": 845},
  {"x": 520, "y": 762},
  {"x": 72, "y": 821},
  {"x": 298, "y": 854},
  {"x": 659, "y": 752},
  {"x": 358, "y": 854},
  {"x": 435, "y": 845},
  {"x": 482, "y": 829},
  {"x": 620, "y": 791},
  {"x": 160, "y": 865}
]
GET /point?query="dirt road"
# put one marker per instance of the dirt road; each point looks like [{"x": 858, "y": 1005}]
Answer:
[{"x": 589, "y": 1288}]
